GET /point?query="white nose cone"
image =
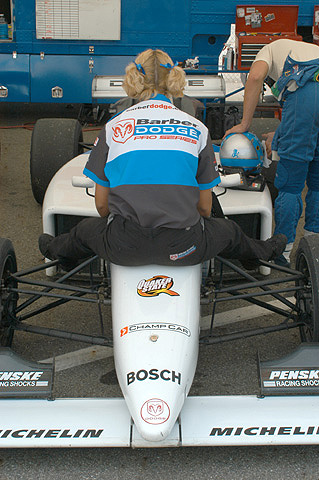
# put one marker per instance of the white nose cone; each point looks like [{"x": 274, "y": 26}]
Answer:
[
  {"x": 156, "y": 420},
  {"x": 155, "y": 315}
]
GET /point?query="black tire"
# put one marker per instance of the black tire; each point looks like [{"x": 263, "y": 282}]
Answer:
[
  {"x": 307, "y": 299},
  {"x": 8, "y": 300},
  {"x": 54, "y": 142}
]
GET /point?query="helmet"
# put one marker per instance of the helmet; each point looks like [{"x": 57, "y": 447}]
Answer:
[{"x": 242, "y": 150}]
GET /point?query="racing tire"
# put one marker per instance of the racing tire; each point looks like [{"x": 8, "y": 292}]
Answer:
[
  {"x": 8, "y": 300},
  {"x": 54, "y": 142},
  {"x": 307, "y": 299}
]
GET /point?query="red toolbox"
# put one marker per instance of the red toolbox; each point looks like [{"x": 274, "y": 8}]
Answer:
[
  {"x": 315, "y": 29},
  {"x": 257, "y": 25}
]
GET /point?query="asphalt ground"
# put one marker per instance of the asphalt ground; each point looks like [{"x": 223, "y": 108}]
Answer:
[{"x": 223, "y": 369}]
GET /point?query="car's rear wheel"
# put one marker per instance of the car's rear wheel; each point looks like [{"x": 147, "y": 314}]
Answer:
[
  {"x": 54, "y": 142},
  {"x": 8, "y": 299},
  {"x": 308, "y": 297}
]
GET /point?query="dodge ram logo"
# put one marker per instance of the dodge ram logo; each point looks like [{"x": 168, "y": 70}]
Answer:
[
  {"x": 123, "y": 130},
  {"x": 155, "y": 408},
  {"x": 155, "y": 411}
]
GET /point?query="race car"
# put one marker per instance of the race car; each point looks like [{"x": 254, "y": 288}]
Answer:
[{"x": 156, "y": 334}]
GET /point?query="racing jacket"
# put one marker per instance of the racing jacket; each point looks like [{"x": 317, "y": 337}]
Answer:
[{"x": 155, "y": 159}]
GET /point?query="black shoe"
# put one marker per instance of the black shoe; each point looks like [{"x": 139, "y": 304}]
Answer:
[
  {"x": 250, "y": 264},
  {"x": 278, "y": 244},
  {"x": 281, "y": 261},
  {"x": 44, "y": 242}
]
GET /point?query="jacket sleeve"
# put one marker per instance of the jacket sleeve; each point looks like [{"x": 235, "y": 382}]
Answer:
[{"x": 95, "y": 166}]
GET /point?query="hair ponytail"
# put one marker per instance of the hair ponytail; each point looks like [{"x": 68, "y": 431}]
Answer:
[
  {"x": 176, "y": 82},
  {"x": 153, "y": 72},
  {"x": 134, "y": 81}
]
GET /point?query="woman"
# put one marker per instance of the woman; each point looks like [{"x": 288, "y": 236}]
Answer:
[{"x": 154, "y": 169}]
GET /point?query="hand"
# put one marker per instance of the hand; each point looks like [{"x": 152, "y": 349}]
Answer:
[
  {"x": 240, "y": 128},
  {"x": 268, "y": 139}
]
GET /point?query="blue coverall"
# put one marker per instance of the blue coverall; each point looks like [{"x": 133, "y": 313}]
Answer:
[{"x": 297, "y": 142}]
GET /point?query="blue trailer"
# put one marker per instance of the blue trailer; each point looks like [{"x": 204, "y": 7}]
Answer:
[{"x": 51, "y": 50}]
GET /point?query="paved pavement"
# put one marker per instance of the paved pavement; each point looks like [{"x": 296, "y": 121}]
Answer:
[{"x": 222, "y": 369}]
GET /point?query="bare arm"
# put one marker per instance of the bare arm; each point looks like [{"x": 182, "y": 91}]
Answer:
[
  {"x": 253, "y": 87},
  {"x": 204, "y": 205},
  {"x": 268, "y": 139},
  {"x": 101, "y": 200}
]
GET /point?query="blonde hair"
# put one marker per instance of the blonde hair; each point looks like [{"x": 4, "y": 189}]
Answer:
[{"x": 145, "y": 77}]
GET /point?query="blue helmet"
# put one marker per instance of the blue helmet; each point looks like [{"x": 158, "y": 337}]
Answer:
[{"x": 242, "y": 150}]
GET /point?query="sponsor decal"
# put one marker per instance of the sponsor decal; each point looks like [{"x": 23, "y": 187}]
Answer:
[
  {"x": 290, "y": 378},
  {"x": 123, "y": 130},
  {"x": 296, "y": 373},
  {"x": 156, "y": 285},
  {"x": 28, "y": 382},
  {"x": 54, "y": 433},
  {"x": 166, "y": 129},
  {"x": 20, "y": 377},
  {"x": 165, "y": 137},
  {"x": 177, "y": 256},
  {"x": 155, "y": 411},
  {"x": 171, "y": 121},
  {"x": 269, "y": 17},
  {"x": 154, "y": 374},
  {"x": 260, "y": 431},
  {"x": 141, "y": 327},
  {"x": 145, "y": 107}
]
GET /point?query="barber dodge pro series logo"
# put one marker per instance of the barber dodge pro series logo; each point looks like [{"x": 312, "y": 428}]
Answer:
[{"x": 146, "y": 129}]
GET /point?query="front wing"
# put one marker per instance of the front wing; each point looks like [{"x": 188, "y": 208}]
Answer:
[{"x": 204, "y": 421}]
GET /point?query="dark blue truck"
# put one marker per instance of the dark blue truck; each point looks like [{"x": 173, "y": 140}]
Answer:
[{"x": 51, "y": 50}]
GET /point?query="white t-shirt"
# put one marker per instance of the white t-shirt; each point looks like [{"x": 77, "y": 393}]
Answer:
[{"x": 275, "y": 54}]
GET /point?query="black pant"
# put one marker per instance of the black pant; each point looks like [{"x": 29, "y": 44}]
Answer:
[{"x": 124, "y": 242}]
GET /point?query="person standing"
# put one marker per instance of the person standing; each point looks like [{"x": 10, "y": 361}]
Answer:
[{"x": 294, "y": 67}]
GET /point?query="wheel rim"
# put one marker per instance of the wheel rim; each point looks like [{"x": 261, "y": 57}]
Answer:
[
  {"x": 305, "y": 302},
  {"x": 8, "y": 301}
]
